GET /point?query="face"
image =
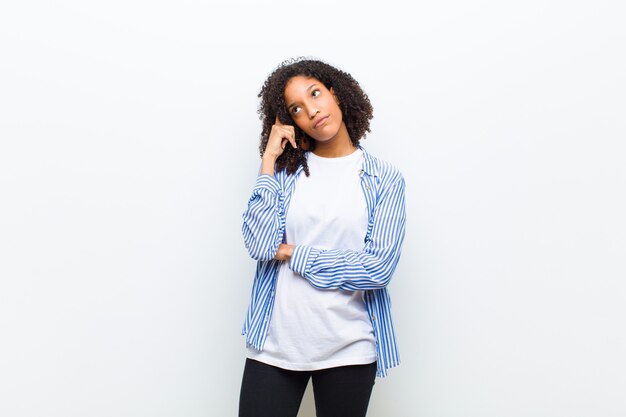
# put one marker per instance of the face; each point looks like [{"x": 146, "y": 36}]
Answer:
[{"x": 313, "y": 107}]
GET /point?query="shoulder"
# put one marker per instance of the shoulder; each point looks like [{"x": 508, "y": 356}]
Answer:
[{"x": 385, "y": 172}]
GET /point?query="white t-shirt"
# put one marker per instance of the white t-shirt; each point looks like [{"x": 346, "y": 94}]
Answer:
[{"x": 312, "y": 328}]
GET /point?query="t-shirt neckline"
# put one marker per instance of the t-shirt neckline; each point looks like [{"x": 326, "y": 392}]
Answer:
[{"x": 344, "y": 158}]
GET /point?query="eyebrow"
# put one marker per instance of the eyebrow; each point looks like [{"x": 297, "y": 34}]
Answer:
[{"x": 311, "y": 86}]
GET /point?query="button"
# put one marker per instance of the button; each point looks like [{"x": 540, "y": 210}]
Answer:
[
  {"x": 368, "y": 187},
  {"x": 360, "y": 172},
  {"x": 373, "y": 317}
]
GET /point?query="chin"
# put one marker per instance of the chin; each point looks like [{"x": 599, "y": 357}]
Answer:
[{"x": 325, "y": 138}]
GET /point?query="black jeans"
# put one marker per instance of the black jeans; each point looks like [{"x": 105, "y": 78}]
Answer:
[{"x": 269, "y": 391}]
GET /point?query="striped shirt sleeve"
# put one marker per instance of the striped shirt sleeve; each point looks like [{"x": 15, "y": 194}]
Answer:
[
  {"x": 264, "y": 219},
  {"x": 370, "y": 268}
]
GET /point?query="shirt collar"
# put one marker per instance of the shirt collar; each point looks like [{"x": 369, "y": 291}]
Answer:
[{"x": 368, "y": 163}]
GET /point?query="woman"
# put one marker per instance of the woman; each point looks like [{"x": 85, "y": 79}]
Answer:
[{"x": 327, "y": 243}]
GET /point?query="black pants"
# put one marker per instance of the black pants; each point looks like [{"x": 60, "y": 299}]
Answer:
[{"x": 269, "y": 391}]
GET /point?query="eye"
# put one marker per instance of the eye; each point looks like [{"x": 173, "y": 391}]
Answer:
[{"x": 313, "y": 93}]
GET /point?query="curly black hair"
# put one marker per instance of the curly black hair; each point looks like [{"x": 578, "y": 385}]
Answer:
[{"x": 355, "y": 107}]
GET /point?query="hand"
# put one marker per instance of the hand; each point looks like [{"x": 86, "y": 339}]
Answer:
[
  {"x": 284, "y": 252},
  {"x": 279, "y": 136}
]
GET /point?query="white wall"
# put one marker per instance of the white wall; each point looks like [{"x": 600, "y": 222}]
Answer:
[{"x": 128, "y": 150}]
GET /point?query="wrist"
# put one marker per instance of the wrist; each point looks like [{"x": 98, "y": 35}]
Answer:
[
  {"x": 267, "y": 165},
  {"x": 268, "y": 157}
]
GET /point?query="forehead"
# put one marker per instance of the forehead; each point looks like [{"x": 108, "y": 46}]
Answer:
[{"x": 298, "y": 85}]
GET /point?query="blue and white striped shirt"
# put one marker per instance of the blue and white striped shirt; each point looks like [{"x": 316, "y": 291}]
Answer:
[{"x": 369, "y": 269}]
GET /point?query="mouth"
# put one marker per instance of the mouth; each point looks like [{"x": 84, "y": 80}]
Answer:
[{"x": 320, "y": 122}]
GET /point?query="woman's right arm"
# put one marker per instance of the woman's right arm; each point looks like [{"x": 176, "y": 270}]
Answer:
[{"x": 264, "y": 218}]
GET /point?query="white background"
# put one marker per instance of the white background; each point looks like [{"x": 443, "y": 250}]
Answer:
[{"x": 129, "y": 140}]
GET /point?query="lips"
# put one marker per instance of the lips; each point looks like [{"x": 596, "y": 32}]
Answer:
[{"x": 320, "y": 122}]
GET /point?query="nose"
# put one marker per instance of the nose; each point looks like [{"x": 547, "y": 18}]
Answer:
[{"x": 312, "y": 112}]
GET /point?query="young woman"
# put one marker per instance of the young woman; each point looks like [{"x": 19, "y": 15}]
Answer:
[{"x": 326, "y": 222}]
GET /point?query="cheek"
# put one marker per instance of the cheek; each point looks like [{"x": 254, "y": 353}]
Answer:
[
  {"x": 300, "y": 124},
  {"x": 334, "y": 106}
]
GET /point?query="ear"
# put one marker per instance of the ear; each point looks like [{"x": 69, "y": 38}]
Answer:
[{"x": 304, "y": 143}]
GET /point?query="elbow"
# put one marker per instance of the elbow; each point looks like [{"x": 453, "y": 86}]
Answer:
[
  {"x": 381, "y": 281},
  {"x": 258, "y": 249},
  {"x": 382, "y": 274},
  {"x": 373, "y": 282},
  {"x": 259, "y": 253},
  {"x": 254, "y": 254},
  {"x": 262, "y": 241}
]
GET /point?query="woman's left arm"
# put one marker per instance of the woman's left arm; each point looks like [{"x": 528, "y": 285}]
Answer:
[{"x": 370, "y": 268}]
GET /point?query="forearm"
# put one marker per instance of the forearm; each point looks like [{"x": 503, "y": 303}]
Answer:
[
  {"x": 268, "y": 164},
  {"x": 345, "y": 269}
]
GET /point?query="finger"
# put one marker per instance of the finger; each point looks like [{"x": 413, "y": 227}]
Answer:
[
  {"x": 277, "y": 122},
  {"x": 286, "y": 129},
  {"x": 292, "y": 140},
  {"x": 289, "y": 133}
]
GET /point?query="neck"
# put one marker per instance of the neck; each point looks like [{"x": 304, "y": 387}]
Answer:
[{"x": 340, "y": 145}]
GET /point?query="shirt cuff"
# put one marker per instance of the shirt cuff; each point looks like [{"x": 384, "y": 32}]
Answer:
[
  {"x": 267, "y": 182},
  {"x": 302, "y": 257}
]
